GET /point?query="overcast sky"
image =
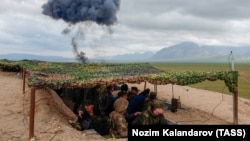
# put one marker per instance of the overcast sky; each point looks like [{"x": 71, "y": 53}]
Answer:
[{"x": 142, "y": 25}]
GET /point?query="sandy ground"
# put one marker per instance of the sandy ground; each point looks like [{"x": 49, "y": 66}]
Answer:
[{"x": 52, "y": 115}]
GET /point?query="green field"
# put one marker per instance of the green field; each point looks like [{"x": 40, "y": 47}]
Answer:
[{"x": 218, "y": 86}]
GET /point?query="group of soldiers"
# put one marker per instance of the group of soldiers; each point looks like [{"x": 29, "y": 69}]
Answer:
[{"x": 100, "y": 109}]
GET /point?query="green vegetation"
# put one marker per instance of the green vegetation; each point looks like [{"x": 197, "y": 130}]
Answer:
[
  {"x": 10, "y": 66},
  {"x": 218, "y": 85},
  {"x": 76, "y": 75}
]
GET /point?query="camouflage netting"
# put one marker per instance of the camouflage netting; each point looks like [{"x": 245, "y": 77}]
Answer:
[{"x": 54, "y": 75}]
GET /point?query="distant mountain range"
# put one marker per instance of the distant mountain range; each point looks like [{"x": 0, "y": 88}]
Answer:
[
  {"x": 183, "y": 52},
  {"x": 191, "y": 52}
]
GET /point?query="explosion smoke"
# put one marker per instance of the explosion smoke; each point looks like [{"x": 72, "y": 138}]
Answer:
[
  {"x": 80, "y": 55},
  {"x": 102, "y": 12},
  {"x": 74, "y": 11}
]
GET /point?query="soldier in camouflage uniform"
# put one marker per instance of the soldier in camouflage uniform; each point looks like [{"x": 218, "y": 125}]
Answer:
[
  {"x": 153, "y": 115},
  {"x": 107, "y": 100},
  {"x": 151, "y": 98},
  {"x": 91, "y": 118},
  {"x": 119, "y": 127},
  {"x": 100, "y": 124}
]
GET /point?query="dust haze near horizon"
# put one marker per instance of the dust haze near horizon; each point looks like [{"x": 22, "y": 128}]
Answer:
[{"x": 141, "y": 26}]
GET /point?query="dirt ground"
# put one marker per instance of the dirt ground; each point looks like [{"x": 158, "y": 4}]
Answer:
[{"x": 52, "y": 115}]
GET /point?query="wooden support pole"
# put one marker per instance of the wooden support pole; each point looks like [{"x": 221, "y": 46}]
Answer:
[
  {"x": 155, "y": 88},
  {"x": 172, "y": 90},
  {"x": 235, "y": 101},
  {"x": 32, "y": 112},
  {"x": 145, "y": 85},
  {"x": 24, "y": 77}
]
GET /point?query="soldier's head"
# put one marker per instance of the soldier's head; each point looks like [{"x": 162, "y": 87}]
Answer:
[
  {"x": 110, "y": 88},
  {"x": 121, "y": 105},
  {"x": 124, "y": 87},
  {"x": 134, "y": 90},
  {"x": 157, "y": 107},
  {"x": 146, "y": 92},
  {"x": 89, "y": 105},
  {"x": 152, "y": 95},
  {"x": 123, "y": 94}
]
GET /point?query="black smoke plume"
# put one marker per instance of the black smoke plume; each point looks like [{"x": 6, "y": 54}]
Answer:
[
  {"x": 74, "y": 11},
  {"x": 81, "y": 56},
  {"x": 102, "y": 12}
]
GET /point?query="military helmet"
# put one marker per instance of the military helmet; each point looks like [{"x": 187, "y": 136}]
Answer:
[
  {"x": 157, "y": 104},
  {"x": 152, "y": 95}
]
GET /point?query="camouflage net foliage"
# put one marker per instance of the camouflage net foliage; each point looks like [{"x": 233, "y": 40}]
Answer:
[{"x": 55, "y": 75}]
